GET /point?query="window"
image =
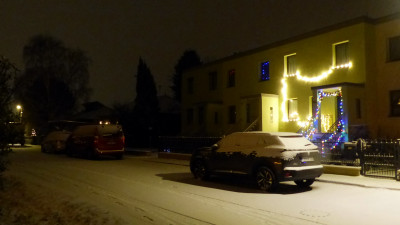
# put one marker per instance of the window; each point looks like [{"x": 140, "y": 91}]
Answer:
[
  {"x": 212, "y": 77},
  {"x": 341, "y": 53},
  {"x": 201, "y": 115},
  {"x": 292, "y": 109},
  {"x": 231, "y": 78},
  {"x": 394, "y": 48},
  {"x": 395, "y": 103},
  {"x": 190, "y": 85},
  {"x": 232, "y": 114},
  {"x": 189, "y": 116},
  {"x": 290, "y": 64},
  {"x": 264, "y": 71}
]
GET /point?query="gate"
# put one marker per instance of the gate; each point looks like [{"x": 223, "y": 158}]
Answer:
[{"x": 380, "y": 158}]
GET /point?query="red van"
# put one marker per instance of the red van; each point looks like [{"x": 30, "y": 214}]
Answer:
[{"x": 93, "y": 141}]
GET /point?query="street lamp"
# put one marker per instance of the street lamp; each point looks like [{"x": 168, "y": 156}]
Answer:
[{"x": 19, "y": 108}]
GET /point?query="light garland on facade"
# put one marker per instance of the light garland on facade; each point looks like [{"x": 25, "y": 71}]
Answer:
[
  {"x": 318, "y": 78},
  {"x": 284, "y": 96},
  {"x": 311, "y": 124}
]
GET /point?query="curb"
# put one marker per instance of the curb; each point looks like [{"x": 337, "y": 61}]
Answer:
[
  {"x": 342, "y": 170},
  {"x": 355, "y": 184}
]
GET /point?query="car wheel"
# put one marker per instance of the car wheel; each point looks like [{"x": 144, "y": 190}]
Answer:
[
  {"x": 304, "y": 183},
  {"x": 266, "y": 179},
  {"x": 199, "y": 170}
]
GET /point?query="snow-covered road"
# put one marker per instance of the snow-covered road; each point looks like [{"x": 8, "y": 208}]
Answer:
[{"x": 148, "y": 190}]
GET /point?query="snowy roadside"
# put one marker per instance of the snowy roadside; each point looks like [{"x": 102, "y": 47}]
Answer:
[{"x": 22, "y": 203}]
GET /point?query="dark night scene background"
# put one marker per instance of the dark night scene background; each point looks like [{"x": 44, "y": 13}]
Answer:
[
  {"x": 69, "y": 63},
  {"x": 115, "y": 34}
]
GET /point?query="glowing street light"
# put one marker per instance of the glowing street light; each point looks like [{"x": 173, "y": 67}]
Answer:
[{"x": 19, "y": 108}]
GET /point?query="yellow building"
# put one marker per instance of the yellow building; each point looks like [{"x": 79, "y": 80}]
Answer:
[{"x": 335, "y": 84}]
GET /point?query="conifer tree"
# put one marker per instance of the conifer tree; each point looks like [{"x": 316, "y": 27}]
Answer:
[{"x": 146, "y": 109}]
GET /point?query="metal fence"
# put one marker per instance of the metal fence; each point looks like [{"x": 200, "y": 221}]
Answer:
[
  {"x": 377, "y": 158},
  {"x": 380, "y": 158}
]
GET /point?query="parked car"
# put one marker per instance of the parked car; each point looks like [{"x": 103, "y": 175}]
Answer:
[
  {"x": 93, "y": 141},
  {"x": 55, "y": 141},
  {"x": 269, "y": 157}
]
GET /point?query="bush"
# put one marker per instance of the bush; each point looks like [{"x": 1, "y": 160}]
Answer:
[
  {"x": 7, "y": 72},
  {"x": 4, "y": 150}
]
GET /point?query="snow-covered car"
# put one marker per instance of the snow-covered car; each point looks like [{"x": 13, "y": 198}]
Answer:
[
  {"x": 55, "y": 141},
  {"x": 269, "y": 157}
]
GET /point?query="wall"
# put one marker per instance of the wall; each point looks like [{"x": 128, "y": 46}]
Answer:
[{"x": 313, "y": 57}]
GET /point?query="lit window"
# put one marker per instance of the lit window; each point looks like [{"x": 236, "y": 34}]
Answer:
[
  {"x": 212, "y": 80},
  {"x": 232, "y": 114},
  {"x": 341, "y": 53},
  {"x": 264, "y": 71},
  {"x": 290, "y": 64},
  {"x": 394, "y": 48},
  {"x": 231, "y": 78},
  {"x": 292, "y": 109}
]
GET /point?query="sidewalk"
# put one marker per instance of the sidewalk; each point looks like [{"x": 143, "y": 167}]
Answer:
[{"x": 361, "y": 181}]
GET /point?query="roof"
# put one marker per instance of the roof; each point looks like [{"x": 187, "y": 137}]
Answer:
[{"x": 357, "y": 20}]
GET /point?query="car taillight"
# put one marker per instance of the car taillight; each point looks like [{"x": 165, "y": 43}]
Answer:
[{"x": 123, "y": 140}]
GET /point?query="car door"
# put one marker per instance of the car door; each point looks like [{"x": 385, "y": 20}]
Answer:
[
  {"x": 245, "y": 152},
  {"x": 222, "y": 156}
]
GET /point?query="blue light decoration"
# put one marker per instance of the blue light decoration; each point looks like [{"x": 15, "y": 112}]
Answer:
[
  {"x": 265, "y": 71},
  {"x": 339, "y": 134}
]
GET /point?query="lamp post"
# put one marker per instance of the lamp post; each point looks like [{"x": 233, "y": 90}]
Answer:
[{"x": 19, "y": 108}]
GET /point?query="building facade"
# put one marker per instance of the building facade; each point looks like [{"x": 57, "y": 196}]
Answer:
[{"x": 336, "y": 84}]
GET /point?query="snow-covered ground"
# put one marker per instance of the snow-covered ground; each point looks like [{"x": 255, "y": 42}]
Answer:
[{"x": 148, "y": 190}]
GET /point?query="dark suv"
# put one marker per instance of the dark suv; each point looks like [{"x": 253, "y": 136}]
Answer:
[
  {"x": 93, "y": 141},
  {"x": 269, "y": 157}
]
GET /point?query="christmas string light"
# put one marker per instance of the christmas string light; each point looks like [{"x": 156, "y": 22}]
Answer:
[{"x": 305, "y": 79}]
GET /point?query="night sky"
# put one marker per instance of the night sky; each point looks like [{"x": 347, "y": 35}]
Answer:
[{"x": 115, "y": 33}]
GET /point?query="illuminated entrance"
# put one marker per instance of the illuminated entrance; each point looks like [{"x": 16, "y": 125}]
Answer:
[
  {"x": 328, "y": 123},
  {"x": 328, "y": 119}
]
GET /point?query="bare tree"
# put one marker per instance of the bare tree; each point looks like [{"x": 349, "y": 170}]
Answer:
[{"x": 54, "y": 81}]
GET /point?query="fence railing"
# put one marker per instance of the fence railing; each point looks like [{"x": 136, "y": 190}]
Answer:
[{"x": 378, "y": 158}]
